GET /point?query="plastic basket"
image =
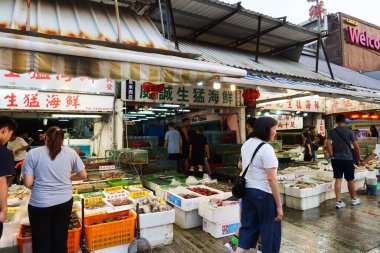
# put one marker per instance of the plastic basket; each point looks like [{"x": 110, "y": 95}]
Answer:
[
  {"x": 73, "y": 239},
  {"x": 117, "y": 182},
  {"x": 109, "y": 234}
]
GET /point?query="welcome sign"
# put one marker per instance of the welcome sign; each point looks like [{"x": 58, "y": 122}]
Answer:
[{"x": 357, "y": 37}]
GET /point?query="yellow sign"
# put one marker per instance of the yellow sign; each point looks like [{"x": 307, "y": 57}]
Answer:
[{"x": 351, "y": 22}]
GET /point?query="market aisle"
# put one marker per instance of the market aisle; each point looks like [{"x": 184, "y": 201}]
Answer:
[{"x": 322, "y": 229}]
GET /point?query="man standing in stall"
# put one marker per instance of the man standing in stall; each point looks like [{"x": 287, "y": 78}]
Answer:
[
  {"x": 185, "y": 143},
  {"x": 7, "y": 127}
]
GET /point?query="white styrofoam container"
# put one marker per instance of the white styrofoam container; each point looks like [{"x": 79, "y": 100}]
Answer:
[
  {"x": 302, "y": 203},
  {"x": 161, "y": 193},
  {"x": 326, "y": 195},
  {"x": 185, "y": 204},
  {"x": 283, "y": 199},
  {"x": 359, "y": 183},
  {"x": 218, "y": 214},
  {"x": 220, "y": 195},
  {"x": 281, "y": 187},
  {"x": 221, "y": 229},
  {"x": 301, "y": 193},
  {"x": 157, "y": 219},
  {"x": 371, "y": 181},
  {"x": 159, "y": 235},
  {"x": 187, "y": 219}
]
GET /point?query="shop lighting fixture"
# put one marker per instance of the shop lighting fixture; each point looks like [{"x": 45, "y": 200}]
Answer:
[
  {"x": 365, "y": 116},
  {"x": 266, "y": 114},
  {"x": 144, "y": 119},
  {"x": 200, "y": 83},
  {"x": 278, "y": 112},
  {"x": 40, "y": 130},
  {"x": 150, "y": 117},
  {"x": 169, "y": 105},
  {"x": 217, "y": 85},
  {"x": 157, "y": 109},
  {"x": 184, "y": 110},
  {"x": 355, "y": 116},
  {"x": 298, "y": 112},
  {"x": 63, "y": 120},
  {"x": 305, "y": 114},
  {"x": 233, "y": 87},
  {"x": 136, "y": 120},
  {"x": 374, "y": 116},
  {"x": 259, "y": 113},
  {"x": 75, "y": 116}
]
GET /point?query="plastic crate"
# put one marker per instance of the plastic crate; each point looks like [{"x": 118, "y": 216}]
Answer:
[
  {"x": 109, "y": 234},
  {"x": 117, "y": 182},
  {"x": 73, "y": 239}
]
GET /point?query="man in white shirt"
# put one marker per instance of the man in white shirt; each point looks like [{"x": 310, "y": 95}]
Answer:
[{"x": 18, "y": 146}]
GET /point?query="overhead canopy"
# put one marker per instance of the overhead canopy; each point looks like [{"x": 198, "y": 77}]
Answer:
[
  {"x": 267, "y": 65},
  {"x": 329, "y": 91},
  {"x": 233, "y": 26},
  {"x": 22, "y": 54}
]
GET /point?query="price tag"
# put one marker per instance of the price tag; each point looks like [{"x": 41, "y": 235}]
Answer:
[
  {"x": 107, "y": 167},
  {"x": 113, "y": 189}
]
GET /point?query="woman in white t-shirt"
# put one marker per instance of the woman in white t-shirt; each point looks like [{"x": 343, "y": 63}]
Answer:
[{"x": 261, "y": 206}]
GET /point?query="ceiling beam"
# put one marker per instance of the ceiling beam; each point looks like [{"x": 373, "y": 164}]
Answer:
[
  {"x": 214, "y": 23},
  {"x": 285, "y": 48},
  {"x": 244, "y": 40}
]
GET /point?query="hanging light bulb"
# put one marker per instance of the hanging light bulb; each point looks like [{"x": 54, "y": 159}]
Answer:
[
  {"x": 233, "y": 87},
  {"x": 216, "y": 86}
]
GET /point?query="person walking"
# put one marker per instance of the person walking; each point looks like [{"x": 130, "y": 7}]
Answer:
[
  {"x": 48, "y": 171},
  {"x": 173, "y": 142},
  {"x": 261, "y": 205},
  {"x": 308, "y": 152},
  {"x": 342, "y": 156},
  {"x": 249, "y": 124},
  {"x": 185, "y": 143},
  {"x": 314, "y": 144},
  {"x": 7, "y": 127},
  {"x": 199, "y": 150},
  {"x": 18, "y": 146}
]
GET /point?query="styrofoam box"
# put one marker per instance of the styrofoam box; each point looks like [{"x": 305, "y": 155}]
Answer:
[
  {"x": 359, "y": 183},
  {"x": 281, "y": 187},
  {"x": 326, "y": 195},
  {"x": 185, "y": 204},
  {"x": 371, "y": 181},
  {"x": 220, "y": 195},
  {"x": 218, "y": 214},
  {"x": 326, "y": 187},
  {"x": 283, "y": 199},
  {"x": 159, "y": 235},
  {"x": 302, "y": 203},
  {"x": 301, "y": 193},
  {"x": 187, "y": 219},
  {"x": 221, "y": 229},
  {"x": 157, "y": 219},
  {"x": 161, "y": 193}
]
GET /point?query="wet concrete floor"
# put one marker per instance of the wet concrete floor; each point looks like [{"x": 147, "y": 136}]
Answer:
[{"x": 321, "y": 229}]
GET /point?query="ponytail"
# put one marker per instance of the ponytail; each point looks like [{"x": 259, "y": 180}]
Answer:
[{"x": 54, "y": 141}]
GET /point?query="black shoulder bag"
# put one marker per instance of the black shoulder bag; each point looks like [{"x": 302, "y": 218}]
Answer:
[
  {"x": 354, "y": 157},
  {"x": 238, "y": 189}
]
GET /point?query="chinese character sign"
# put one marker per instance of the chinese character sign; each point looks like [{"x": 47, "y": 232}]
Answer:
[
  {"x": 57, "y": 82},
  {"x": 48, "y": 101},
  {"x": 347, "y": 105},
  {"x": 321, "y": 129},
  {"x": 296, "y": 104},
  {"x": 286, "y": 122},
  {"x": 192, "y": 95}
]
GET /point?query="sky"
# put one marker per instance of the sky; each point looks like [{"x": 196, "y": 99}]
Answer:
[{"x": 297, "y": 11}]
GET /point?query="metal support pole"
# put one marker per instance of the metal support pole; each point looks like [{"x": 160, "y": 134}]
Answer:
[
  {"x": 172, "y": 24},
  {"x": 258, "y": 40},
  {"x": 162, "y": 19},
  {"x": 28, "y": 16},
  {"x": 327, "y": 60},
  {"x": 117, "y": 21},
  {"x": 317, "y": 56}
]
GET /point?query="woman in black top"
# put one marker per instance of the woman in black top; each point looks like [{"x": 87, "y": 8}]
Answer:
[
  {"x": 199, "y": 150},
  {"x": 308, "y": 153},
  {"x": 374, "y": 132}
]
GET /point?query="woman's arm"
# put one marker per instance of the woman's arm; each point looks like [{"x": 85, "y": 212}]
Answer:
[
  {"x": 273, "y": 184},
  {"x": 28, "y": 181},
  {"x": 207, "y": 150},
  {"x": 79, "y": 176},
  {"x": 309, "y": 148}
]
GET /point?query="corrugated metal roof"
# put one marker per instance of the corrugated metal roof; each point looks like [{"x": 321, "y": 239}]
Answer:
[
  {"x": 192, "y": 15},
  {"x": 82, "y": 19},
  {"x": 246, "y": 60},
  {"x": 348, "y": 75}
]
